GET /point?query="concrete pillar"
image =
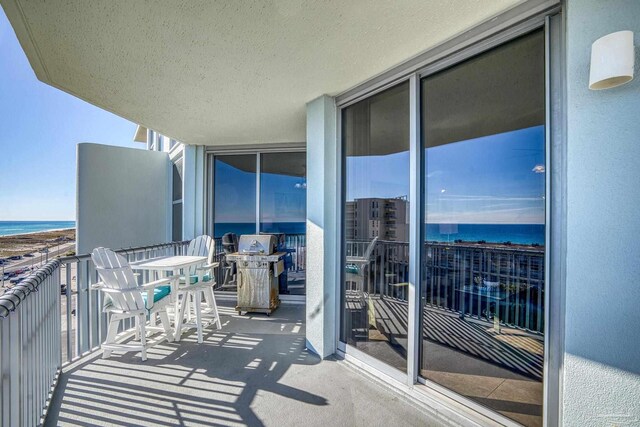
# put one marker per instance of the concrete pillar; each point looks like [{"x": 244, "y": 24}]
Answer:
[
  {"x": 193, "y": 192},
  {"x": 322, "y": 226}
]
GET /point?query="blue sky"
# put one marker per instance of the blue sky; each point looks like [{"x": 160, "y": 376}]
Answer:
[
  {"x": 282, "y": 198},
  {"x": 39, "y": 129},
  {"x": 496, "y": 179}
]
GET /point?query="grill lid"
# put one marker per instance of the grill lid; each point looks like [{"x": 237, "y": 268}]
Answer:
[{"x": 264, "y": 244}]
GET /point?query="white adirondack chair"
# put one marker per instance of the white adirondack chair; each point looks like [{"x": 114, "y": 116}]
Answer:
[
  {"x": 197, "y": 283},
  {"x": 125, "y": 299},
  {"x": 356, "y": 267}
]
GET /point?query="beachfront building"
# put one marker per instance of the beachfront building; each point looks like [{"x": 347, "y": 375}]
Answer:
[{"x": 459, "y": 203}]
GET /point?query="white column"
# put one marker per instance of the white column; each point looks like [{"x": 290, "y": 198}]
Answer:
[
  {"x": 193, "y": 192},
  {"x": 322, "y": 226}
]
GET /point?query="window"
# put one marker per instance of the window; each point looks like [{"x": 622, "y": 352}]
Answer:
[
  {"x": 235, "y": 194},
  {"x": 483, "y": 130},
  {"x": 283, "y": 193},
  {"x": 281, "y": 208},
  {"x": 376, "y": 149},
  {"x": 482, "y": 238},
  {"x": 176, "y": 229}
]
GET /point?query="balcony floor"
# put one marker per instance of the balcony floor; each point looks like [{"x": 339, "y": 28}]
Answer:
[{"x": 255, "y": 371}]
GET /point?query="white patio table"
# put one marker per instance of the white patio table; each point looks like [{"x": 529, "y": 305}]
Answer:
[{"x": 172, "y": 263}]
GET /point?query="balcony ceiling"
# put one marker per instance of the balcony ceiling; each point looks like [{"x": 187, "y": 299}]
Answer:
[{"x": 227, "y": 72}]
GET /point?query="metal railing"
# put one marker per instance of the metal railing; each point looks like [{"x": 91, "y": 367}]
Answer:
[
  {"x": 50, "y": 319},
  {"x": 298, "y": 243},
  {"x": 83, "y": 323},
  {"x": 456, "y": 278},
  {"x": 30, "y": 356},
  {"x": 55, "y": 316}
]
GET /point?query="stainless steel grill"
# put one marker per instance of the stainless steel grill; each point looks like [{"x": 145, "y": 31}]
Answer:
[{"x": 258, "y": 265}]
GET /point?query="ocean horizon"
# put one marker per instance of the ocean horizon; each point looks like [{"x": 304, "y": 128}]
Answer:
[
  {"x": 12, "y": 228},
  {"x": 523, "y": 234}
]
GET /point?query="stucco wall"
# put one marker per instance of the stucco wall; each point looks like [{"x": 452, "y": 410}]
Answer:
[
  {"x": 122, "y": 197},
  {"x": 602, "y": 342}
]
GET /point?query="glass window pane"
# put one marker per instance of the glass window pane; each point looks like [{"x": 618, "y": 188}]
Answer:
[
  {"x": 177, "y": 180},
  {"x": 376, "y": 265},
  {"x": 235, "y": 194},
  {"x": 177, "y": 222},
  {"x": 283, "y": 193},
  {"x": 483, "y": 258},
  {"x": 283, "y": 206}
]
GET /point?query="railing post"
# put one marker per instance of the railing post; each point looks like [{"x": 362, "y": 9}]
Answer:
[{"x": 82, "y": 318}]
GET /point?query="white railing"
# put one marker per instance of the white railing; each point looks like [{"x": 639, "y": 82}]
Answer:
[
  {"x": 48, "y": 320},
  {"x": 455, "y": 277},
  {"x": 30, "y": 357},
  {"x": 83, "y": 324}
]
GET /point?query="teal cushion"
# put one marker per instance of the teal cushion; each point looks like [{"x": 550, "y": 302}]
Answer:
[
  {"x": 352, "y": 268},
  {"x": 193, "y": 279},
  {"x": 158, "y": 293}
]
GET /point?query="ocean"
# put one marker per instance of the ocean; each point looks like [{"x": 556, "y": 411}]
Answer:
[
  {"x": 11, "y": 228},
  {"x": 240, "y": 228},
  {"x": 524, "y": 234}
]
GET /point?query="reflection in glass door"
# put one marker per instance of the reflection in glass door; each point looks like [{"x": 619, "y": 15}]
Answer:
[
  {"x": 376, "y": 226},
  {"x": 234, "y": 194},
  {"x": 483, "y": 130},
  {"x": 283, "y": 211}
]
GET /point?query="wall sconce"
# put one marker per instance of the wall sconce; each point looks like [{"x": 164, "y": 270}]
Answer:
[{"x": 612, "y": 58}]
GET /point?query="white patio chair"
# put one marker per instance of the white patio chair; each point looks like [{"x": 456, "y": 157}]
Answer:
[
  {"x": 198, "y": 282},
  {"x": 125, "y": 299},
  {"x": 356, "y": 266}
]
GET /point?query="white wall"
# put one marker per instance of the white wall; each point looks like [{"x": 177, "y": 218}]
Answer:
[
  {"x": 322, "y": 226},
  {"x": 123, "y": 197},
  {"x": 602, "y": 340}
]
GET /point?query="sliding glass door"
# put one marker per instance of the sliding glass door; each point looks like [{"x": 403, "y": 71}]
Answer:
[
  {"x": 234, "y": 194},
  {"x": 265, "y": 193},
  {"x": 483, "y": 130},
  {"x": 480, "y": 249},
  {"x": 283, "y": 211},
  {"x": 376, "y": 227}
]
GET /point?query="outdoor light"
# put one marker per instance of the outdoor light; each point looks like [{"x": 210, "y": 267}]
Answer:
[{"x": 612, "y": 58}]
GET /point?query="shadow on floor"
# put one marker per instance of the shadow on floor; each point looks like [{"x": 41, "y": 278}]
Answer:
[
  {"x": 255, "y": 371},
  {"x": 210, "y": 384}
]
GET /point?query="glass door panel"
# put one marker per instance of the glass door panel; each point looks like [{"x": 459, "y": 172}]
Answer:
[
  {"x": 483, "y": 130},
  {"x": 234, "y": 194},
  {"x": 283, "y": 206},
  {"x": 375, "y": 135}
]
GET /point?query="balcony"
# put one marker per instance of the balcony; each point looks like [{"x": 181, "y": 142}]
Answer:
[{"x": 254, "y": 371}]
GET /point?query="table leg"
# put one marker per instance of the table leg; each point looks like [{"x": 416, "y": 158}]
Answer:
[
  {"x": 198, "y": 298},
  {"x": 180, "y": 316}
]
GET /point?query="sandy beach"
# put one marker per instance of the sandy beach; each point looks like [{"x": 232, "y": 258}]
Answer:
[{"x": 21, "y": 244}]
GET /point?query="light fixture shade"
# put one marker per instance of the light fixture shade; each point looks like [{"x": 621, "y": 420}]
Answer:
[{"x": 612, "y": 58}]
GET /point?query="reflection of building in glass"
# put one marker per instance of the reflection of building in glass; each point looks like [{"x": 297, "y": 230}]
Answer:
[{"x": 386, "y": 219}]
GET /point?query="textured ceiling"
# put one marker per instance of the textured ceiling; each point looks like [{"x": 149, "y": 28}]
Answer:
[{"x": 227, "y": 72}]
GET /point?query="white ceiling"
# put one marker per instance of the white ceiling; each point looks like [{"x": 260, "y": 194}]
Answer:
[{"x": 228, "y": 72}]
